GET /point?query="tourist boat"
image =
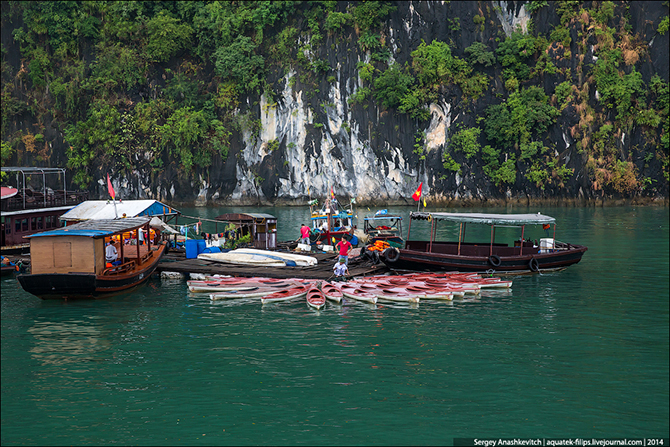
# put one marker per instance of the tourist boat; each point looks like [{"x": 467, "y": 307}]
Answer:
[
  {"x": 285, "y": 295},
  {"x": 331, "y": 292},
  {"x": 383, "y": 226},
  {"x": 26, "y": 211},
  {"x": 69, "y": 262},
  {"x": 331, "y": 222},
  {"x": 315, "y": 297},
  {"x": 522, "y": 256}
]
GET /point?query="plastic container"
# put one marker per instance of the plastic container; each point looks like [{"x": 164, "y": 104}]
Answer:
[
  {"x": 305, "y": 247},
  {"x": 212, "y": 249},
  {"x": 546, "y": 245},
  {"x": 202, "y": 244},
  {"x": 191, "y": 246}
]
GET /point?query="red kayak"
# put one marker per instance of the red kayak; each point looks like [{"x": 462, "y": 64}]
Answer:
[{"x": 316, "y": 298}]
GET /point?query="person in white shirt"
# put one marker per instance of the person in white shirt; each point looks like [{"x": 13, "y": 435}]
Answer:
[
  {"x": 111, "y": 255},
  {"x": 340, "y": 269}
]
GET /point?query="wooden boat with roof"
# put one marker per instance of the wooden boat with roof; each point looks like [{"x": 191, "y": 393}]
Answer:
[
  {"x": 69, "y": 262},
  {"x": 523, "y": 256}
]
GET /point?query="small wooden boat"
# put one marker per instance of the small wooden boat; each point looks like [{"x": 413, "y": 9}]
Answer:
[
  {"x": 7, "y": 267},
  {"x": 232, "y": 257},
  {"x": 316, "y": 298},
  {"x": 69, "y": 262},
  {"x": 331, "y": 292},
  {"x": 285, "y": 295}
]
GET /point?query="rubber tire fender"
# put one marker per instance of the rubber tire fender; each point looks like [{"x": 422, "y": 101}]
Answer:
[
  {"x": 391, "y": 254},
  {"x": 494, "y": 260},
  {"x": 533, "y": 265}
]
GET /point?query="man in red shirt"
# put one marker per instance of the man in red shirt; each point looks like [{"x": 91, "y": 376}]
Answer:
[
  {"x": 304, "y": 234},
  {"x": 343, "y": 246}
]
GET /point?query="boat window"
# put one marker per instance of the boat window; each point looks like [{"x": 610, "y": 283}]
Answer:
[
  {"x": 24, "y": 225},
  {"x": 17, "y": 222},
  {"x": 39, "y": 223},
  {"x": 33, "y": 223},
  {"x": 7, "y": 223}
]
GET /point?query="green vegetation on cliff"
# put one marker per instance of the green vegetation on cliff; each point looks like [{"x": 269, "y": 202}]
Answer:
[{"x": 145, "y": 85}]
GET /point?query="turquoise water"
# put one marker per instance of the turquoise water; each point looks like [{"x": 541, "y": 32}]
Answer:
[{"x": 578, "y": 353}]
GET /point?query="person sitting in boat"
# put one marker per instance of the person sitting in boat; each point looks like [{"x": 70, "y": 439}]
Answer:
[
  {"x": 304, "y": 234},
  {"x": 340, "y": 270},
  {"x": 343, "y": 246},
  {"x": 111, "y": 255}
]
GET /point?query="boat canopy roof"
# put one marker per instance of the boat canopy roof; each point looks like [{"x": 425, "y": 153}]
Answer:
[
  {"x": 104, "y": 209},
  {"x": 487, "y": 219},
  {"x": 382, "y": 217},
  {"x": 97, "y": 228},
  {"x": 244, "y": 217}
]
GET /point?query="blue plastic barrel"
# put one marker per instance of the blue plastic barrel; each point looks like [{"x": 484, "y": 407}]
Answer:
[
  {"x": 191, "y": 246},
  {"x": 201, "y": 245},
  {"x": 212, "y": 250}
]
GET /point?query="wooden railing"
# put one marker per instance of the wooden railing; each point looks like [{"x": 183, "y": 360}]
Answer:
[
  {"x": 119, "y": 269},
  {"x": 35, "y": 200}
]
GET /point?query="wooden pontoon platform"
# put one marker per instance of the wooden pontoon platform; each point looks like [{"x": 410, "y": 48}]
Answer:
[{"x": 177, "y": 262}]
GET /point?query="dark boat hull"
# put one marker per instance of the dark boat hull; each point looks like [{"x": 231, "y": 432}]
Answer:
[
  {"x": 7, "y": 270},
  {"x": 419, "y": 260},
  {"x": 86, "y": 285}
]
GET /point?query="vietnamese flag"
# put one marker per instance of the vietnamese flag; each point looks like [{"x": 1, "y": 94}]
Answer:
[
  {"x": 109, "y": 187},
  {"x": 417, "y": 194},
  {"x": 332, "y": 194}
]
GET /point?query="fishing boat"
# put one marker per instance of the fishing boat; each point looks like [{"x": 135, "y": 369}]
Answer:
[
  {"x": 461, "y": 256},
  {"x": 383, "y": 226},
  {"x": 315, "y": 297},
  {"x": 331, "y": 292},
  {"x": 69, "y": 262},
  {"x": 7, "y": 267},
  {"x": 331, "y": 222},
  {"x": 285, "y": 295}
]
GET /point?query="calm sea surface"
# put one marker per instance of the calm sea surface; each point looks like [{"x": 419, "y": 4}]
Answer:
[{"x": 579, "y": 353}]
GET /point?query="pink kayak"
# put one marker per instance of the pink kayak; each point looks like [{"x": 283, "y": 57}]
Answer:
[
  {"x": 316, "y": 298},
  {"x": 331, "y": 292},
  {"x": 356, "y": 293},
  {"x": 285, "y": 295}
]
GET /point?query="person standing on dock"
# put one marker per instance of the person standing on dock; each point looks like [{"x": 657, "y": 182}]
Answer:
[
  {"x": 304, "y": 234},
  {"x": 343, "y": 246}
]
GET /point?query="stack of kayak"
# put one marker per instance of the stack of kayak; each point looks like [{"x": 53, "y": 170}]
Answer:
[
  {"x": 400, "y": 288},
  {"x": 266, "y": 258}
]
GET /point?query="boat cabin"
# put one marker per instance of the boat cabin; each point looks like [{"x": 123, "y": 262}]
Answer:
[
  {"x": 81, "y": 247},
  {"x": 384, "y": 227},
  {"x": 261, "y": 227}
]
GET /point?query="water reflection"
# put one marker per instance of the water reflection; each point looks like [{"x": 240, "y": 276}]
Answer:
[{"x": 75, "y": 341}]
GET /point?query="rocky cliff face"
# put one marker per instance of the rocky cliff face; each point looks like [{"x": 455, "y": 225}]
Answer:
[{"x": 311, "y": 137}]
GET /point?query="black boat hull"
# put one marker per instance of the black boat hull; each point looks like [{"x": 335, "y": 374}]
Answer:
[{"x": 533, "y": 262}]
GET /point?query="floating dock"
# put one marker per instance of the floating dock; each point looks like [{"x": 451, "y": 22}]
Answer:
[{"x": 175, "y": 261}]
